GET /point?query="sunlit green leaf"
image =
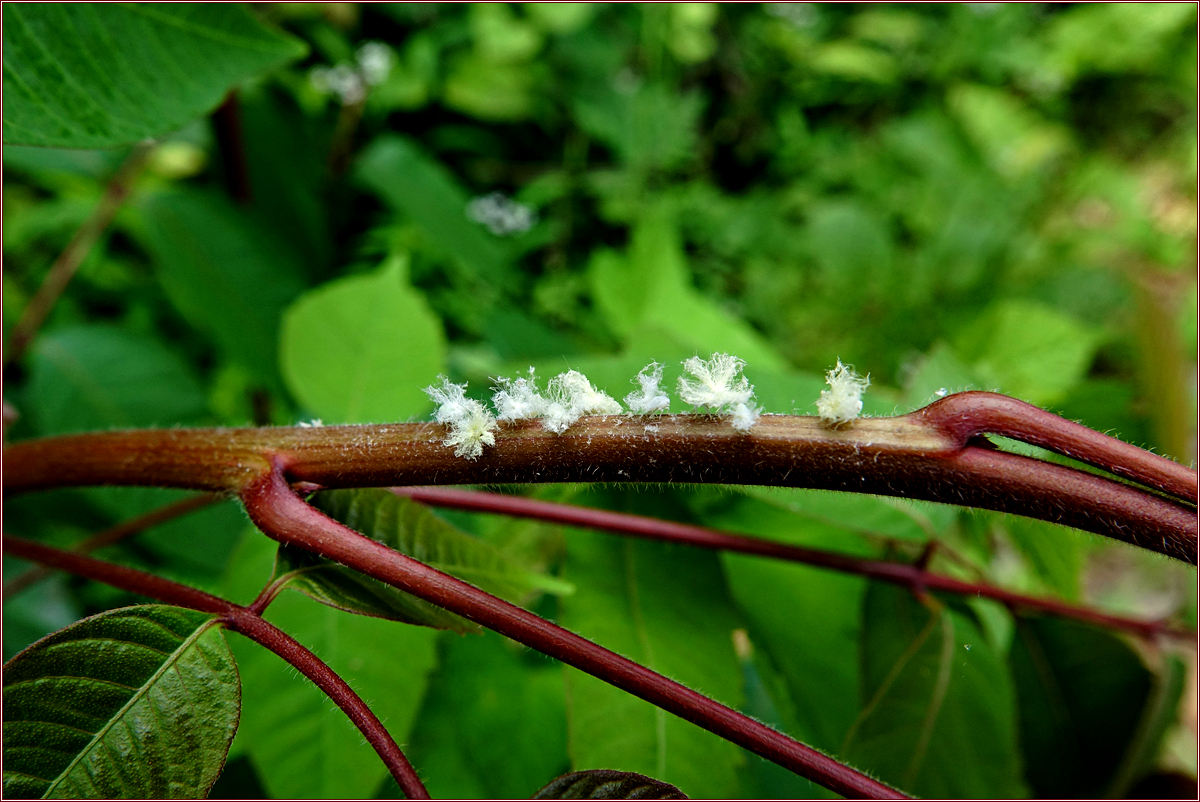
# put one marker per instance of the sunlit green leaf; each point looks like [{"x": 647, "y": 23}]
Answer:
[
  {"x": 138, "y": 702},
  {"x": 359, "y": 349}
]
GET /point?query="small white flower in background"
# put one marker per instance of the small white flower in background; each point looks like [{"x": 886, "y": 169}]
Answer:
[
  {"x": 471, "y": 425},
  {"x": 375, "y": 61},
  {"x": 342, "y": 80},
  {"x": 650, "y": 398},
  {"x": 718, "y": 385},
  {"x": 518, "y": 399},
  {"x": 315, "y": 423},
  {"x": 502, "y": 215},
  {"x": 571, "y": 397},
  {"x": 842, "y": 402}
]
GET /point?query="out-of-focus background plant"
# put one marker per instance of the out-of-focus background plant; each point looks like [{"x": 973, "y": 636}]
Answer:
[{"x": 966, "y": 196}]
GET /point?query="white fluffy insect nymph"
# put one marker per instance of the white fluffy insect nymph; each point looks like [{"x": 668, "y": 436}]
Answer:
[
  {"x": 571, "y": 397},
  {"x": 718, "y": 385},
  {"x": 471, "y": 425},
  {"x": 650, "y": 398},
  {"x": 842, "y": 402},
  {"x": 518, "y": 399}
]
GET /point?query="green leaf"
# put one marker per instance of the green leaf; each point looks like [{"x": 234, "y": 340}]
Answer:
[
  {"x": 665, "y": 607},
  {"x": 103, "y": 377},
  {"x": 938, "y": 715},
  {"x": 98, "y": 75},
  {"x": 807, "y": 619},
  {"x": 138, "y": 702},
  {"x": 1028, "y": 350},
  {"x": 1081, "y": 692},
  {"x": 410, "y": 528},
  {"x": 422, "y": 189},
  {"x": 224, "y": 273},
  {"x": 605, "y": 784},
  {"x": 359, "y": 349},
  {"x": 484, "y": 686},
  {"x": 302, "y": 746},
  {"x": 651, "y": 286}
]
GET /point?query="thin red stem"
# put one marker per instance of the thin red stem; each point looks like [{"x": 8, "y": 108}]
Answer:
[
  {"x": 72, "y": 256},
  {"x": 702, "y": 537},
  {"x": 283, "y": 515},
  {"x": 246, "y": 622},
  {"x": 113, "y": 535},
  {"x": 968, "y": 415}
]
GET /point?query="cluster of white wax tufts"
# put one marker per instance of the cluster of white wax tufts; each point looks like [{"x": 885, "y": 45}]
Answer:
[
  {"x": 842, "y": 402},
  {"x": 718, "y": 385},
  {"x": 715, "y": 385},
  {"x": 471, "y": 425}
]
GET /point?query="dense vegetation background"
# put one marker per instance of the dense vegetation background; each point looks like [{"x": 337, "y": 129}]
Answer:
[{"x": 974, "y": 195}]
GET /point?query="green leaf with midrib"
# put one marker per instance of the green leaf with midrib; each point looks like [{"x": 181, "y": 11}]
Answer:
[
  {"x": 99, "y": 75},
  {"x": 137, "y": 702},
  {"x": 411, "y": 529}
]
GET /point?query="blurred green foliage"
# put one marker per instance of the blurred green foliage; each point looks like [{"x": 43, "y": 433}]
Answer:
[{"x": 974, "y": 195}]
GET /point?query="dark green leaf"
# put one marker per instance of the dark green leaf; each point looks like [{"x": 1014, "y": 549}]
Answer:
[
  {"x": 226, "y": 275},
  {"x": 665, "y": 607},
  {"x": 102, "y": 377},
  {"x": 138, "y": 702},
  {"x": 938, "y": 706},
  {"x": 605, "y": 784},
  {"x": 411, "y": 529},
  {"x": 1081, "y": 692},
  {"x": 359, "y": 349},
  {"x": 97, "y": 75}
]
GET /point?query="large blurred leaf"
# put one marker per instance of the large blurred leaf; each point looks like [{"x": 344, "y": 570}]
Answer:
[
  {"x": 103, "y": 377},
  {"x": 648, "y": 126},
  {"x": 96, "y": 75},
  {"x": 138, "y": 702},
  {"x": 411, "y": 529},
  {"x": 938, "y": 715},
  {"x": 421, "y": 188},
  {"x": 1028, "y": 350},
  {"x": 487, "y": 685},
  {"x": 806, "y": 618},
  {"x": 359, "y": 349},
  {"x": 1081, "y": 692},
  {"x": 663, "y": 606},
  {"x": 651, "y": 287},
  {"x": 224, "y": 273}
]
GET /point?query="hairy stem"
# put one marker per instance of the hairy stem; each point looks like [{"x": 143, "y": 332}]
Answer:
[
  {"x": 246, "y": 622},
  {"x": 913, "y": 576},
  {"x": 930, "y": 454},
  {"x": 283, "y": 515},
  {"x": 113, "y": 535},
  {"x": 63, "y": 269}
]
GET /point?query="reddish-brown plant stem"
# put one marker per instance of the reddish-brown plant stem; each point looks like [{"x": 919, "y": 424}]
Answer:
[
  {"x": 967, "y": 415},
  {"x": 702, "y": 537},
  {"x": 231, "y": 144},
  {"x": 244, "y": 621},
  {"x": 113, "y": 535},
  {"x": 907, "y": 456},
  {"x": 277, "y": 510},
  {"x": 68, "y": 262}
]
